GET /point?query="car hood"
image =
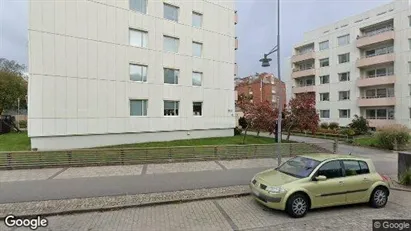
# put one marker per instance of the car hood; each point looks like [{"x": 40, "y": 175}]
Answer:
[{"x": 275, "y": 178}]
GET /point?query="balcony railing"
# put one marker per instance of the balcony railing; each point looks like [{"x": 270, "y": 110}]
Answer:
[
  {"x": 302, "y": 69},
  {"x": 379, "y": 75},
  {"x": 376, "y": 32},
  {"x": 379, "y": 118},
  {"x": 384, "y": 51}
]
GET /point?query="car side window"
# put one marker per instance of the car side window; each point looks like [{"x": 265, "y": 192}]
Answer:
[
  {"x": 331, "y": 169},
  {"x": 352, "y": 167},
  {"x": 364, "y": 167}
]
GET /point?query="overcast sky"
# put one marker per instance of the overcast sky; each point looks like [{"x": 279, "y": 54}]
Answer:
[{"x": 256, "y": 29}]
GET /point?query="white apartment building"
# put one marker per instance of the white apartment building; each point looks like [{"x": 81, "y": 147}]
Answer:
[
  {"x": 360, "y": 65},
  {"x": 107, "y": 72}
]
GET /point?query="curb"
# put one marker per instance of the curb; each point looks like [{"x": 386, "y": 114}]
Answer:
[
  {"x": 399, "y": 188},
  {"x": 119, "y": 207}
]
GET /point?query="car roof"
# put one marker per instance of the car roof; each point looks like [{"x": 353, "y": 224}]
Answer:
[{"x": 326, "y": 156}]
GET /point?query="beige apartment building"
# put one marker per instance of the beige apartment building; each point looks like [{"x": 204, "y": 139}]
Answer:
[{"x": 360, "y": 65}]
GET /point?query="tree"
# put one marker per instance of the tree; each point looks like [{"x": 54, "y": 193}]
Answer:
[
  {"x": 11, "y": 66},
  {"x": 360, "y": 125},
  {"x": 242, "y": 122},
  {"x": 260, "y": 116},
  {"x": 12, "y": 87},
  {"x": 301, "y": 114}
]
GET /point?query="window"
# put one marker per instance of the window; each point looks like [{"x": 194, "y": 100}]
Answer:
[
  {"x": 380, "y": 114},
  {"x": 171, "y": 108},
  {"x": 138, "y": 107},
  {"x": 344, "y": 113},
  {"x": 344, "y": 58},
  {"x": 325, "y": 96},
  {"x": 138, "y": 38},
  {"x": 171, "y": 76},
  {"x": 325, "y": 114},
  {"x": 324, "y": 62},
  {"x": 351, "y": 167},
  {"x": 324, "y": 79},
  {"x": 171, "y": 44},
  {"x": 197, "y": 78},
  {"x": 331, "y": 170},
  {"x": 344, "y": 95},
  {"x": 343, "y": 40},
  {"x": 138, "y": 73},
  {"x": 139, "y": 5},
  {"x": 197, "y": 19},
  {"x": 197, "y": 49},
  {"x": 197, "y": 108},
  {"x": 170, "y": 12},
  {"x": 300, "y": 167},
  {"x": 364, "y": 167},
  {"x": 379, "y": 51},
  {"x": 324, "y": 45},
  {"x": 343, "y": 77}
]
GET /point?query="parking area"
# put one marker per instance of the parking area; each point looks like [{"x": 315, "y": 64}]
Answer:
[{"x": 242, "y": 213}]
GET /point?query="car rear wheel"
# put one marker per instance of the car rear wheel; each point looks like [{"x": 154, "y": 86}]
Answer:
[
  {"x": 379, "y": 197},
  {"x": 297, "y": 205}
]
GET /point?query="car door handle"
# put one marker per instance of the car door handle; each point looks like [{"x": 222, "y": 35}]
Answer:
[{"x": 366, "y": 180}]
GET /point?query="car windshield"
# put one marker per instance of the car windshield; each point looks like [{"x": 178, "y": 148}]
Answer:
[{"x": 299, "y": 167}]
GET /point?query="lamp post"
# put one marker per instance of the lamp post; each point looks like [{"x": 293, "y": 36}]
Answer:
[{"x": 265, "y": 62}]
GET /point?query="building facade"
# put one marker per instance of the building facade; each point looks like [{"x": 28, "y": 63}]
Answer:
[
  {"x": 116, "y": 72},
  {"x": 358, "y": 66},
  {"x": 262, "y": 87}
]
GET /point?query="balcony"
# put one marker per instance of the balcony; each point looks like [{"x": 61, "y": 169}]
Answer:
[
  {"x": 376, "y": 80},
  {"x": 236, "y": 43},
  {"x": 374, "y": 102},
  {"x": 235, "y": 18},
  {"x": 385, "y": 34},
  {"x": 301, "y": 57},
  {"x": 297, "y": 73},
  {"x": 304, "y": 89},
  {"x": 375, "y": 122},
  {"x": 375, "y": 60}
]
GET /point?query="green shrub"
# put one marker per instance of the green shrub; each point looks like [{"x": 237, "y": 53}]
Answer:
[
  {"x": 333, "y": 125},
  {"x": 237, "y": 131},
  {"x": 360, "y": 125},
  {"x": 406, "y": 178},
  {"x": 324, "y": 125},
  {"x": 23, "y": 124},
  {"x": 348, "y": 132},
  {"x": 387, "y": 136}
]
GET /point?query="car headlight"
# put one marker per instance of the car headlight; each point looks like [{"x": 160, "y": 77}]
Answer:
[{"x": 275, "y": 189}]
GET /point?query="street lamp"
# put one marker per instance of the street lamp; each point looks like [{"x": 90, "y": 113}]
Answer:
[{"x": 265, "y": 62}]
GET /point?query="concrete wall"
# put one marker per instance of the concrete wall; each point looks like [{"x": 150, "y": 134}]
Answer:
[{"x": 79, "y": 56}]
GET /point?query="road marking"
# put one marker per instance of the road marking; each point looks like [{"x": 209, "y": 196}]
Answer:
[
  {"x": 144, "y": 170},
  {"x": 221, "y": 165},
  {"x": 57, "y": 173},
  {"x": 226, "y": 216}
]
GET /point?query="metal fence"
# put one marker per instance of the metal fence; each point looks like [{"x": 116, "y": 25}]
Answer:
[{"x": 128, "y": 156}]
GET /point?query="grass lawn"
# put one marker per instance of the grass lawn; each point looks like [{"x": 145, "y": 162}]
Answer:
[
  {"x": 14, "y": 142},
  {"x": 231, "y": 140},
  {"x": 21, "y": 142},
  {"x": 369, "y": 141}
]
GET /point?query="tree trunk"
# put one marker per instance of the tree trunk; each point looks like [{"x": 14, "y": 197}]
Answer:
[
  {"x": 258, "y": 132},
  {"x": 245, "y": 134}
]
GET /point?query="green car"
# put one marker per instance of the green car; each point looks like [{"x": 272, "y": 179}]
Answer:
[{"x": 320, "y": 180}]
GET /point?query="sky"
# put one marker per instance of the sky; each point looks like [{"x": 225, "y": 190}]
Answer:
[{"x": 256, "y": 29}]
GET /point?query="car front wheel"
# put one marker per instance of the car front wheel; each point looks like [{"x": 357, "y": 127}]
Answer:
[
  {"x": 379, "y": 197},
  {"x": 297, "y": 206}
]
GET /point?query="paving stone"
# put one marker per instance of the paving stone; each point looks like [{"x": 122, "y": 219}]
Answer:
[
  {"x": 102, "y": 171},
  {"x": 182, "y": 167},
  {"x": 27, "y": 175}
]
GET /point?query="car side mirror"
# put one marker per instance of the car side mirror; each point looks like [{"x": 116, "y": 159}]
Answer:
[{"x": 320, "y": 178}]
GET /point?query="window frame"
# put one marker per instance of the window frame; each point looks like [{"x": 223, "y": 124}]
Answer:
[
  {"x": 201, "y": 104},
  {"x": 322, "y": 78},
  {"x": 348, "y": 113},
  {"x": 324, "y": 59},
  {"x": 135, "y": 10},
  {"x": 171, "y": 6},
  {"x": 201, "y": 48},
  {"x": 324, "y": 42},
  {"x": 348, "y": 97},
  {"x": 144, "y": 37},
  {"x": 325, "y": 163},
  {"x": 192, "y": 78},
  {"x": 144, "y": 102},
  {"x": 195, "y": 13},
  {"x": 322, "y": 94},
  {"x": 175, "y": 39},
  {"x": 144, "y": 78},
  {"x": 347, "y": 58},
  {"x": 176, "y": 108},
  {"x": 359, "y": 165},
  {"x": 347, "y": 74},
  {"x": 321, "y": 115},
  {"x": 178, "y": 76},
  {"x": 343, "y": 36}
]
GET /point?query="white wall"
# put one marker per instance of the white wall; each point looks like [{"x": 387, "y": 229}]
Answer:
[{"x": 79, "y": 57}]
